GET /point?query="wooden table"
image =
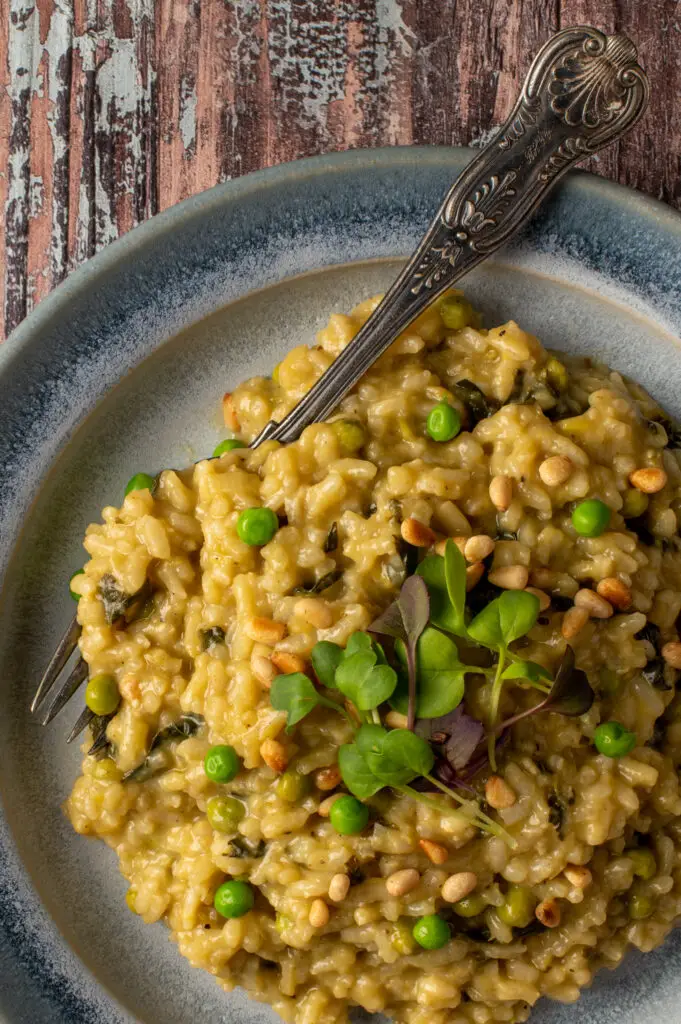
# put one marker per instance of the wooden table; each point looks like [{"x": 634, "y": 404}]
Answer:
[{"x": 111, "y": 110}]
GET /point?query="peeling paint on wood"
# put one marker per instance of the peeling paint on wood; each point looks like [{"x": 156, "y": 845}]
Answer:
[{"x": 111, "y": 111}]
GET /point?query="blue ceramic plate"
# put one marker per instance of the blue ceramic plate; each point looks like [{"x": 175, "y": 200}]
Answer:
[{"x": 122, "y": 369}]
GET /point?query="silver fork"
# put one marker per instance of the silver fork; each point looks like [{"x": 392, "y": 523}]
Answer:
[{"x": 583, "y": 91}]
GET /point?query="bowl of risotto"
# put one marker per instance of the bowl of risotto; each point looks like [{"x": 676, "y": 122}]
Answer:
[{"x": 384, "y": 721}]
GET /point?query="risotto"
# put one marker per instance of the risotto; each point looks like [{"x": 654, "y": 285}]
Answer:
[{"x": 386, "y": 717}]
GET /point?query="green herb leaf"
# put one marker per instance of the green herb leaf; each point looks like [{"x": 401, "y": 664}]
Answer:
[
  {"x": 395, "y": 757},
  {"x": 570, "y": 693},
  {"x": 439, "y": 675},
  {"x": 405, "y": 620},
  {"x": 356, "y": 773},
  {"x": 357, "y": 642},
  {"x": 526, "y": 670},
  {"x": 413, "y": 752},
  {"x": 366, "y": 683},
  {"x": 296, "y": 695},
  {"x": 508, "y": 617},
  {"x": 455, "y": 578},
  {"x": 326, "y": 657},
  {"x": 442, "y": 612}
]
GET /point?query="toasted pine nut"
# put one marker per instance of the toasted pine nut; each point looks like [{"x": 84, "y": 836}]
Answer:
[
  {"x": 474, "y": 574},
  {"x": 574, "y": 621},
  {"x": 274, "y": 755},
  {"x": 510, "y": 577},
  {"x": 229, "y": 413},
  {"x": 548, "y": 913},
  {"x": 614, "y": 591},
  {"x": 286, "y": 663},
  {"x": 396, "y": 720},
  {"x": 315, "y": 611},
  {"x": 650, "y": 480},
  {"x": 326, "y": 805},
  {"x": 435, "y": 852},
  {"x": 265, "y": 631},
  {"x": 417, "y": 533},
  {"x": 442, "y": 544},
  {"x": 327, "y": 778},
  {"x": 556, "y": 470},
  {"x": 501, "y": 492},
  {"x": 597, "y": 607},
  {"x": 339, "y": 887},
  {"x": 458, "y": 886},
  {"x": 263, "y": 669},
  {"x": 498, "y": 793},
  {"x": 402, "y": 882},
  {"x": 319, "y": 914},
  {"x": 671, "y": 653},
  {"x": 478, "y": 547},
  {"x": 578, "y": 876},
  {"x": 543, "y": 598}
]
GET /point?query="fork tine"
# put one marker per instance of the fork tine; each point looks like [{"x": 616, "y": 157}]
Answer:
[
  {"x": 66, "y": 691},
  {"x": 65, "y": 649},
  {"x": 81, "y": 723}
]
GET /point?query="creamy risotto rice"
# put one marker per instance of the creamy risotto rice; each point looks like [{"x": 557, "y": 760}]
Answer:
[{"x": 191, "y": 612}]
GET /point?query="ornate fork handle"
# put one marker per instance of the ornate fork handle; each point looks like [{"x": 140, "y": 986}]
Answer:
[{"x": 583, "y": 91}]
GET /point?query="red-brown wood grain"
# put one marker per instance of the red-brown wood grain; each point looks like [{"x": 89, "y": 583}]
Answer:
[{"x": 111, "y": 110}]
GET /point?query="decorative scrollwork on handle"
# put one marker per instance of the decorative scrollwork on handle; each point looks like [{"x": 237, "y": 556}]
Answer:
[{"x": 584, "y": 90}]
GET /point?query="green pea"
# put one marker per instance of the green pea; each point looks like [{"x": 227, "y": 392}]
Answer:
[
  {"x": 456, "y": 312},
  {"x": 257, "y": 526},
  {"x": 222, "y": 763},
  {"x": 634, "y": 503},
  {"x": 292, "y": 786},
  {"x": 234, "y": 899},
  {"x": 74, "y": 595},
  {"x": 401, "y": 937},
  {"x": 348, "y": 816},
  {"x": 228, "y": 445},
  {"x": 101, "y": 694},
  {"x": 470, "y": 906},
  {"x": 645, "y": 865},
  {"x": 431, "y": 932},
  {"x": 140, "y": 482},
  {"x": 591, "y": 518},
  {"x": 613, "y": 740},
  {"x": 517, "y": 910},
  {"x": 444, "y": 422},
  {"x": 224, "y": 813},
  {"x": 350, "y": 434},
  {"x": 107, "y": 770},
  {"x": 641, "y": 906}
]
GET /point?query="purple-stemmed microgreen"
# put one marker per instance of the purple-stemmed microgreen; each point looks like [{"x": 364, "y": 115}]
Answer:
[{"x": 405, "y": 619}]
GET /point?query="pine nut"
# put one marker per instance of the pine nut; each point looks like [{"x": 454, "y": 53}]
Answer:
[
  {"x": 597, "y": 607},
  {"x": 328, "y": 778},
  {"x": 442, "y": 544},
  {"x": 578, "y": 876},
  {"x": 548, "y": 913},
  {"x": 396, "y": 720},
  {"x": 274, "y": 755},
  {"x": 474, "y": 574},
  {"x": 417, "y": 533},
  {"x": 319, "y": 914},
  {"x": 556, "y": 470},
  {"x": 498, "y": 793},
  {"x": 671, "y": 653},
  {"x": 501, "y": 492},
  {"x": 402, "y": 882},
  {"x": 314, "y": 611},
  {"x": 510, "y": 577},
  {"x": 435, "y": 852},
  {"x": 542, "y": 597},
  {"x": 229, "y": 413},
  {"x": 614, "y": 591},
  {"x": 286, "y": 663},
  {"x": 458, "y": 886},
  {"x": 339, "y": 887},
  {"x": 650, "y": 480},
  {"x": 263, "y": 669},
  {"x": 265, "y": 631},
  {"x": 477, "y": 548},
  {"x": 326, "y": 805},
  {"x": 574, "y": 621}
]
